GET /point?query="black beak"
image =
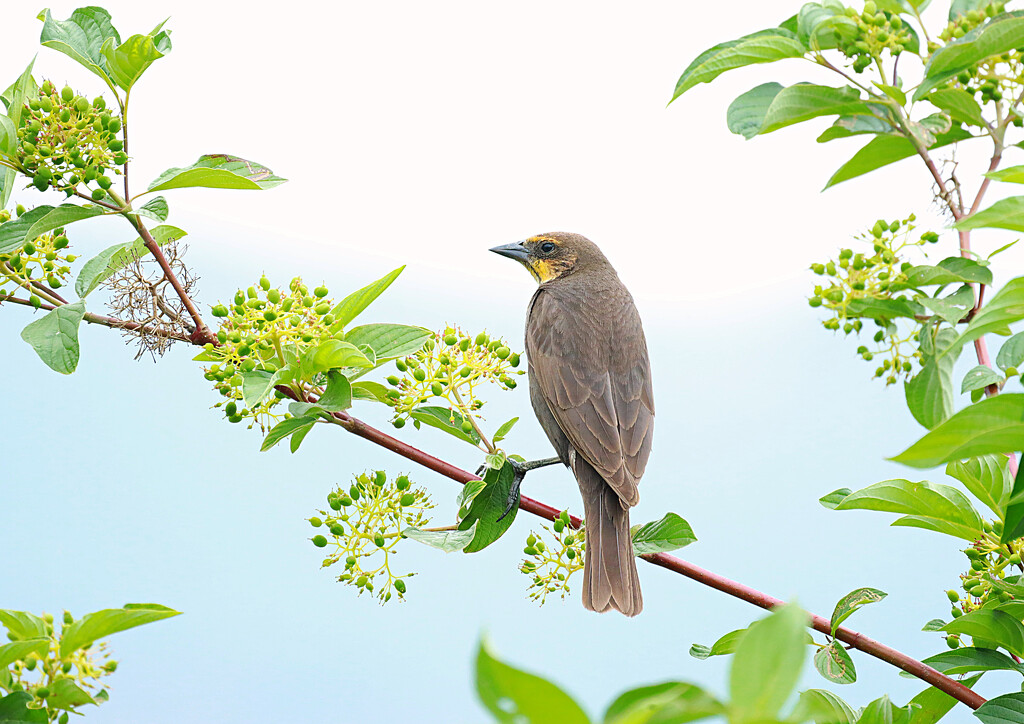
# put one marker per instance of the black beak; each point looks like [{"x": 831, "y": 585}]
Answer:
[{"x": 516, "y": 250}]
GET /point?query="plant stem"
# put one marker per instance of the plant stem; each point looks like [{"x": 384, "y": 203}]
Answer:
[
  {"x": 202, "y": 333},
  {"x": 91, "y": 318}
]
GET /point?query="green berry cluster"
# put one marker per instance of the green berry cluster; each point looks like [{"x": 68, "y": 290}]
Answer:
[
  {"x": 65, "y": 141},
  {"x": 877, "y": 31},
  {"x": 265, "y": 328},
  {"x": 855, "y": 278},
  {"x": 450, "y": 367},
  {"x": 40, "y": 260},
  {"x": 964, "y": 23},
  {"x": 990, "y": 561},
  {"x": 364, "y": 524},
  {"x": 550, "y": 568},
  {"x": 38, "y": 675}
]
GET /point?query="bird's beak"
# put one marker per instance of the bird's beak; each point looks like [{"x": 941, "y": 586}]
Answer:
[{"x": 516, "y": 250}]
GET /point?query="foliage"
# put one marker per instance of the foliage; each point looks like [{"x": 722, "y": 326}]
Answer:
[{"x": 46, "y": 674}]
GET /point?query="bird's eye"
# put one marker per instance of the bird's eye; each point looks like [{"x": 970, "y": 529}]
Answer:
[{"x": 547, "y": 247}]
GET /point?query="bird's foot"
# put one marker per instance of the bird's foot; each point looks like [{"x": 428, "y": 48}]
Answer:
[{"x": 519, "y": 472}]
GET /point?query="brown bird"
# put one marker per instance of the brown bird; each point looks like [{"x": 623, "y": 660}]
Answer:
[{"x": 590, "y": 385}]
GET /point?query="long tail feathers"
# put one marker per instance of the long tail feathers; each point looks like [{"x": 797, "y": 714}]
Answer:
[{"x": 610, "y": 579}]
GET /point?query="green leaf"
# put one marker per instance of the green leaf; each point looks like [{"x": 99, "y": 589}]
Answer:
[
  {"x": 338, "y": 393},
  {"x": 767, "y": 665},
  {"x": 765, "y": 46},
  {"x": 746, "y": 114},
  {"x": 349, "y": 308},
  {"x": 23, "y": 625},
  {"x": 504, "y": 430},
  {"x": 969, "y": 659},
  {"x": 54, "y": 337},
  {"x": 100, "y": 624},
  {"x": 962, "y": 7},
  {"x": 389, "y": 341},
  {"x": 1005, "y": 709},
  {"x": 127, "y": 61},
  {"x": 725, "y": 645},
  {"x": 949, "y": 271},
  {"x": 995, "y": 425},
  {"x": 1003, "y": 214},
  {"x": 156, "y": 209},
  {"x": 1006, "y": 307},
  {"x": 883, "y": 309},
  {"x": 880, "y": 711},
  {"x": 66, "y": 694},
  {"x": 834, "y": 498},
  {"x": 959, "y": 104},
  {"x": 13, "y": 234},
  {"x": 14, "y": 710},
  {"x": 102, "y": 266},
  {"x": 999, "y": 35},
  {"x": 853, "y": 600},
  {"x": 805, "y": 101},
  {"x": 444, "y": 419},
  {"x": 257, "y": 386},
  {"x": 922, "y": 500},
  {"x": 14, "y": 98},
  {"x": 81, "y": 37},
  {"x": 448, "y": 541},
  {"x": 1011, "y": 354},
  {"x": 929, "y": 393},
  {"x": 285, "y": 428},
  {"x": 336, "y": 354},
  {"x": 1011, "y": 174},
  {"x": 20, "y": 650},
  {"x": 1013, "y": 526},
  {"x": 668, "y": 534},
  {"x": 820, "y": 25},
  {"x": 672, "y": 702},
  {"x": 467, "y": 495},
  {"x": 218, "y": 171},
  {"x": 951, "y": 308},
  {"x": 513, "y": 696},
  {"x": 884, "y": 150},
  {"x": 980, "y": 377},
  {"x": 822, "y": 707},
  {"x": 987, "y": 477},
  {"x": 935, "y": 624},
  {"x": 990, "y": 625},
  {"x": 834, "y": 663},
  {"x": 847, "y": 126},
  {"x": 488, "y": 505},
  {"x": 366, "y": 390}
]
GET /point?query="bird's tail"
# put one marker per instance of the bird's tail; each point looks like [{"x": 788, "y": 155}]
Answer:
[{"x": 610, "y": 579}]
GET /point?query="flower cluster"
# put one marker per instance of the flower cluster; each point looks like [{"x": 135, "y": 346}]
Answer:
[
  {"x": 265, "y": 328},
  {"x": 364, "y": 524},
  {"x": 984, "y": 584},
  {"x": 66, "y": 141},
  {"x": 40, "y": 676},
  {"x": 450, "y": 367},
  {"x": 859, "y": 285},
  {"x": 876, "y": 31},
  {"x": 550, "y": 567},
  {"x": 40, "y": 260}
]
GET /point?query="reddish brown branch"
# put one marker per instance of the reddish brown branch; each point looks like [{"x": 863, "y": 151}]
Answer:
[{"x": 678, "y": 565}]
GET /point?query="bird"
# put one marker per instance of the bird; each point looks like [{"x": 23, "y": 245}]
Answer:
[{"x": 590, "y": 388}]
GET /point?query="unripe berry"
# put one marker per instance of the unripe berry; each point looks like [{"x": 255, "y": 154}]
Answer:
[{"x": 319, "y": 541}]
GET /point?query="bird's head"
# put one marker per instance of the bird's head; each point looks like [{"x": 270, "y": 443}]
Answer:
[{"x": 553, "y": 255}]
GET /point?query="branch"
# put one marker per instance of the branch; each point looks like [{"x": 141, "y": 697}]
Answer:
[
  {"x": 678, "y": 565},
  {"x": 112, "y": 322}
]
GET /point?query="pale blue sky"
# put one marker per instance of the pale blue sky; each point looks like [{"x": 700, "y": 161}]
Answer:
[{"x": 444, "y": 132}]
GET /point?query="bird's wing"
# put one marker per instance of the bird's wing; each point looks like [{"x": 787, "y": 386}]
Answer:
[{"x": 598, "y": 389}]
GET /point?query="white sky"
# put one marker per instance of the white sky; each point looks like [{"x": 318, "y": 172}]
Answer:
[{"x": 438, "y": 130}]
